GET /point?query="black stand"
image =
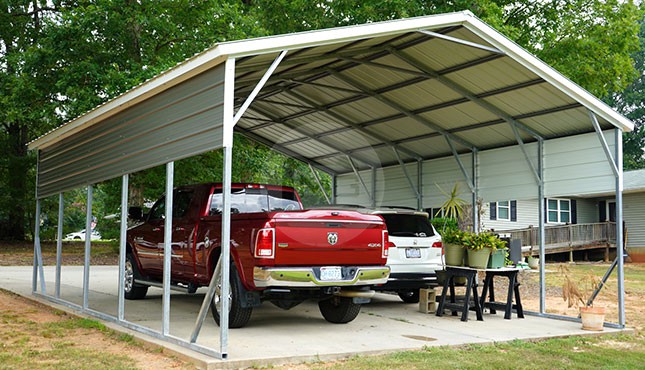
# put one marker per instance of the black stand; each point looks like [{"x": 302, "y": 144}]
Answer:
[
  {"x": 453, "y": 305},
  {"x": 513, "y": 288}
]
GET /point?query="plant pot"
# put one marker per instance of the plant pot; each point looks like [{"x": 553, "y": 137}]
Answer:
[
  {"x": 533, "y": 262},
  {"x": 454, "y": 254},
  {"x": 593, "y": 318},
  {"x": 497, "y": 259},
  {"x": 478, "y": 258}
]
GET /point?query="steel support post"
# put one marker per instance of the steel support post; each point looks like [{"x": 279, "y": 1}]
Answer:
[
  {"x": 122, "y": 248},
  {"x": 320, "y": 185},
  {"x": 619, "y": 226},
  {"x": 59, "y": 243},
  {"x": 475, "y": 191},
  {"x": 167, "y": 249},
  {"x": 541, "y": 215},
  {"x": 88, "y": 242},
  {"x": 38, "y": 255},
  {"x": 420, "y": 185}
]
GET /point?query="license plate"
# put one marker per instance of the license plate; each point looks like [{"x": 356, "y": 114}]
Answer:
[
  {"x": 413, "y": 253},
  {"x": 330, "y": 273}
]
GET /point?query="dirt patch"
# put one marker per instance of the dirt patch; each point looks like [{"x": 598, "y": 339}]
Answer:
[{"x": 29, "y": 326}]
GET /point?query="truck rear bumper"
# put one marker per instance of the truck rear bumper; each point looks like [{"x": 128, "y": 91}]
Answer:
[{"x": 303, "y": 277}]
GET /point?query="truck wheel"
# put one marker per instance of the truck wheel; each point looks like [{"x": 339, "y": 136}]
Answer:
[
  {"x": 409, "y": 295},
  {"x": 132, "y": 289},
  {"x": 238, "y": 316},
  {"x": 339, "y": 310}
]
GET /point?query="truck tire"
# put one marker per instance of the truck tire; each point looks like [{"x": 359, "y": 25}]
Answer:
[
  {"x": 339, "y": 310},
  {"x": 132, "y": 289},
  {"x": 238, "y": 316},
  {"x": 409, "y": 295}
]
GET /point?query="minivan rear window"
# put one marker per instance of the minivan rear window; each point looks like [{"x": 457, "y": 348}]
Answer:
[{"x": 408, "y": 225}]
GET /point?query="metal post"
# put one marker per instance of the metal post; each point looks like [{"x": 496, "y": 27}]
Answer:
[
  {"x": 475, "y": 191},
  {"x": 619, "y": 226},
  {"x": 373, "y": 187},
  {"x": 167, "y": 249},
  {"x": 541, "y": 215},
  {"x": 88, "y": 240},
  {"x": 320, "y": 185},
  {"x": 333, "y": 188},
  {"x": 38, "y": 255},
  {"x": 59, "y": 243},
  {"x": 420, "y": 185},
  {"x": 122, "y": 249},
  {"x": 226, "y": 248}
]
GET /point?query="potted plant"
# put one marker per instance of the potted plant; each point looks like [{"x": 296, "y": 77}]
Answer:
[
  {"x": 479, "y": 247},
  {"x": 453, "y": 248},
  {"x": 499, "y": 254},
  {"x": 578, "y": 294}
]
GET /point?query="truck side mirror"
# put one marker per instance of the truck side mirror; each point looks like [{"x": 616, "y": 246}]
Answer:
[{"x": 135, "y": 213}]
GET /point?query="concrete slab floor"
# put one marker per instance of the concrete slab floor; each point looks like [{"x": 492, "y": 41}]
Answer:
[{"x": 275, "y": 336}]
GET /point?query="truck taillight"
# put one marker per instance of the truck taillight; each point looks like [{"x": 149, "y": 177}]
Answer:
[
  {"x": 385, "y": 244},
  {"x": 265, "y": 243}
]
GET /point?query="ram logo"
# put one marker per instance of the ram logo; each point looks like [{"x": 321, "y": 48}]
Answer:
[{"x": 332, "y": 238}]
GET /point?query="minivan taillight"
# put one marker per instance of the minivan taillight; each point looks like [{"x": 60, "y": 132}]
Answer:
[
  {"x": 438, "y": 245},
  {"x": 385, "y": 244},
  {"x": 265, "y": 243}
]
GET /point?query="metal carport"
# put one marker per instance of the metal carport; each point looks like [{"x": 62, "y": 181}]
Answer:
[{"x": 343, "y": 100}]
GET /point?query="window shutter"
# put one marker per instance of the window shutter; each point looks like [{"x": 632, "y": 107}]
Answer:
[
  {"x": 493, "y": 210},
  {"x": 513, "y": 210},
  {"x": 602, "y": 211},
  {"x": 574, "y": 212},
  {"x": 546, "y": 211}
]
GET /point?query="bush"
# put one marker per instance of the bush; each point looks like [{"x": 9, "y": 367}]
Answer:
[{"x": 444, "y": 224}]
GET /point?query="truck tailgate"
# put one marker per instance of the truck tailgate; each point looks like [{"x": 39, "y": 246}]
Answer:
[{"x": 329, "y": 237}]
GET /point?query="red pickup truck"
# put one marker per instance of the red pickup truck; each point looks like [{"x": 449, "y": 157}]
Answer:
[{"x": 279, "y": 252}]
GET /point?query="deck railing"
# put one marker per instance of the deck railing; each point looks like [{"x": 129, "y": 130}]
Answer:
[{"x": 566, "y": 235}]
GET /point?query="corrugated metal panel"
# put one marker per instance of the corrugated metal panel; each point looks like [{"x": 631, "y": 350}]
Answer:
[
  {"x": 577, "y": 166},
  {"x": 180, "y": 122},
  {"x": 349, "y": 190},
  {"x": 504, "y": 173},
  {"x": 441, "y": 175},
  {"x": 634, "y": 215}
]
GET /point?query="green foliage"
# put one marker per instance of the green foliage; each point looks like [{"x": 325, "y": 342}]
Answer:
[
  {"x": 453, "y": 236},
  {"x": 444, "y": 224},
  {"x": 453, "y": 205},
  {"x": 60, "y": 59},
  {"x": 482, "y": 240}
]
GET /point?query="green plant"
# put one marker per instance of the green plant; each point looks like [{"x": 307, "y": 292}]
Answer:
[
  {"x": 444, "y": 224},
  {"x": 453, "y": 236},
  {"x": 453, "y": 206},
  {"x": 482, "y": 240}
]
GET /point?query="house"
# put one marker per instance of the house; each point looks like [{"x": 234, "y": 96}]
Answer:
[{"x": 596, "y": 211}]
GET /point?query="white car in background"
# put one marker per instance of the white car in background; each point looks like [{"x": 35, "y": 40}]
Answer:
[
  {"x": 416, "y": 253},
  {"x": 80, "y": 235}
]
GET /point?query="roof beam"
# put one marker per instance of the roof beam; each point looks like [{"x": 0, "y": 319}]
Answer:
[
  {"x": 463, "y": 91},
  {"x": 348, "y": 122},
  {"x": 298, "y": 129},
  {"x": 400, "y": 108},
  {"x": 280, "y": 148},
  {"x": 462, "y": 42},
  {"x": 455, "y": 130}
]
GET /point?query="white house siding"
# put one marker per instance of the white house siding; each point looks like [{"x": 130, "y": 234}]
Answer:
[
  {"x": 634, "y": 216},
  {"x": 587, "y": 211},
  {"x": 349, "y": 190},
  {"x": 505, "y": 174},
  {"x": 527, "y": 215}
]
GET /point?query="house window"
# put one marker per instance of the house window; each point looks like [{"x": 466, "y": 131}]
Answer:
[
  {"x": 559, "y": 210},
  {"x": 504, "y": 210}
]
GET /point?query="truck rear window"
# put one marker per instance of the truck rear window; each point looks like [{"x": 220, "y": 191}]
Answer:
[
  {"x": 254, "y": 200},
  {"x": 408, "y": 225}
]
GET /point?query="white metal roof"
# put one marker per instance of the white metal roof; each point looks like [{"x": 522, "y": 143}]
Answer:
[{"x": 377, "y": 94}]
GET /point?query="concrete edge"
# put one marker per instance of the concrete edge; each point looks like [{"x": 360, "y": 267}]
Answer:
[{"x": 203, "y": 361}]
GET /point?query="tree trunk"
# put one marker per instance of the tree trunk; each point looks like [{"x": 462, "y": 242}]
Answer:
[{"x": 18, "y": 162}]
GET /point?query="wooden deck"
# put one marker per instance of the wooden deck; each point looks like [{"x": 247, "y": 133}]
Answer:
[{"x": 567, "y": 238}]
